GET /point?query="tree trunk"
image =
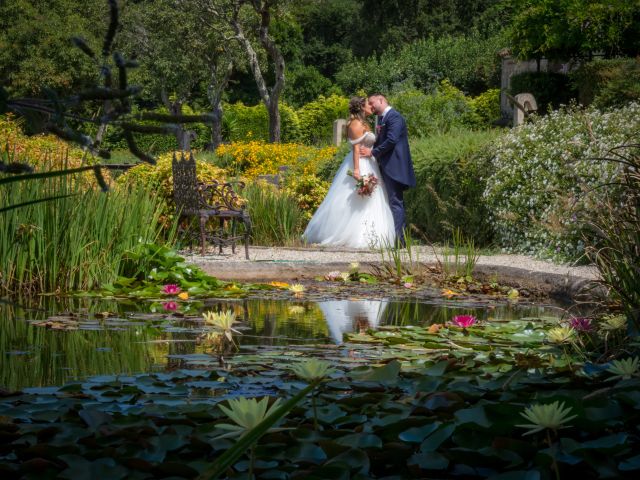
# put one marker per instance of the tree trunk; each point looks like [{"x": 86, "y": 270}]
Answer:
[
  {"x": 274, "y": 120},
  {"x": 216, "y": 127},
  {"x": 183, "y": 136}
]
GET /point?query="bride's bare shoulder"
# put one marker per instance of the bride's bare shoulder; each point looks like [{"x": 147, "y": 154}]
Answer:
[{"x": 356, "y": 129}]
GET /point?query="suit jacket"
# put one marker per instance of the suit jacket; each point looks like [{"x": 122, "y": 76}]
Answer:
[{"x": 391, "y": 149}]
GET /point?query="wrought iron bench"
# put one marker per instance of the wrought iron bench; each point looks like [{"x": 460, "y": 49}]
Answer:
[{"x": 216, "y": 206}]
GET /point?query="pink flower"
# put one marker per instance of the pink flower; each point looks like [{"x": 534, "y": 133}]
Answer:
[
  {"x": 581, "y": 324},
  {"x": 408, "y": 285},
  {"x": 464, "y": 321},
  {"x": 171, "y": 289},
  {"x": 170, "y": 306}
]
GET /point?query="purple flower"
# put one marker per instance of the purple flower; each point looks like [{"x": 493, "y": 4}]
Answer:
[
  {"x": 170, "y": 306},
  {"x": 464, "y": 321},
  {"x": 171, "y": 289},
  {"x": 581, "y": 324}
]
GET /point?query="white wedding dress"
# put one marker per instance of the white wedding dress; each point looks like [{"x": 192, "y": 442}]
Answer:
[
  {"x": 346, "y": 316},
  {"x": 347, "y": 219}
]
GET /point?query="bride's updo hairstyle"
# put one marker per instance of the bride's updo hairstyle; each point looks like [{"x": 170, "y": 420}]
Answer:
[{"x": 356, "y": 110}]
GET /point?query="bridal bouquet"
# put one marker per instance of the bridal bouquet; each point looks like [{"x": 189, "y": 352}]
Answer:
[{"x": 366, "y": 184}]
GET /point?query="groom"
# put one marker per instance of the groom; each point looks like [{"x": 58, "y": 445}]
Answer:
[{"x": 391, "y": 150}]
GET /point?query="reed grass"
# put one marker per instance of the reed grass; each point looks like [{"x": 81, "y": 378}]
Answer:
[
  {"x": 276, "y": 217},
  {"x": 75, "y": 241}
]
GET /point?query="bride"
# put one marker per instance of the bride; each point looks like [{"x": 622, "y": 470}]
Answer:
[{"x": 346, "y": 218}]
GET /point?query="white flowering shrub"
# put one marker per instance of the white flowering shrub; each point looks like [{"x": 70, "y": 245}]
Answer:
[{"x": 548, "y": 177}]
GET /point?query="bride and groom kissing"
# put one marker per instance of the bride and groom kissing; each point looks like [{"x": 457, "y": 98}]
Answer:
[{"x": 369, "y": 217}]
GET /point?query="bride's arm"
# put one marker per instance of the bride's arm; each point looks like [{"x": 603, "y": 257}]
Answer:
[{"x": 356, "y": 130}]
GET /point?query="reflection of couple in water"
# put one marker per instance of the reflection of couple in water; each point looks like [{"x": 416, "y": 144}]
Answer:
[{"x": 347, "y": 316}]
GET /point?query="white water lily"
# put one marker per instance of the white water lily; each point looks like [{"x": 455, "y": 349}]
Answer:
[
  {"x": 345, "y": 276},
  {"x": 297, "y": 288},
  {"x": 625, "y": 369},
  {"x": 312, "y": 369},
  {"x": 354, "y": 266},
  {"x": 551, "y": 416},
  {"x": 246, "y": 413}
]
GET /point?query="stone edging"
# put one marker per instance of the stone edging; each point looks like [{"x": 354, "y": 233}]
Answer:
[{"x": 561, "y": 286}]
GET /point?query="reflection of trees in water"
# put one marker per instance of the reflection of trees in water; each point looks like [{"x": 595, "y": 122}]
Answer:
[{"x": 56, "y": 356}]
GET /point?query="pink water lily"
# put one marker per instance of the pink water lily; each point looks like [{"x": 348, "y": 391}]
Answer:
[
  {"x": 170, "y": 306},
  {"x": 464, "y": 321},
  {"x": 581, "y": 324},
  {"x": 171, "y": 289}
]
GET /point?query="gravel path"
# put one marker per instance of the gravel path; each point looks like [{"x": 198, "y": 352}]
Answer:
[{"x": 305, "y": 259}]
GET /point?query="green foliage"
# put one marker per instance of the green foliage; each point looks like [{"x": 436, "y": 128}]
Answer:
[
  {"x": 444, "y": 110},
  {"x": 451, "y": 170},
  {"x": 569, "y": 28},
  {"x": 546, "y": 176},
  {"x": 157, "y": 144},
  {"x": 317, "y": 117},
  {"x": 160, "y": 177},
  {"x": 608, "y": 83},
  {"x": 308, "y": 191},
  {"x": 485, "y": 108},
  {"x": 613, "y": 231},
  {"x": 550, "y": 89},
  {"x": 470, "y": 62},
  {"x": 75, "y": 242},
  {"x": 242, "y": 123},
  {"x": 35, "y": 50},
  {"x": 275, "y": 216},
  {"x": 305, "y": 83}
]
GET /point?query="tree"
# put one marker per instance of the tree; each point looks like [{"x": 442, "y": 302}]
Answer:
[
  {"x": 35, "y": 47},
  {"x": 563, "y": 29},
  {"x": 248, "y": 18}
]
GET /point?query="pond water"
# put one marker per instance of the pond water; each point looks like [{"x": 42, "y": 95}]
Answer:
[{"x": 46, "y": 345}]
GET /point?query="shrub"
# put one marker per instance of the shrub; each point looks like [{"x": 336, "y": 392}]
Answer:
[
  {"x": 438, "y": 113},
  {"x": 275, "y": 216},
  {"x": 254, "y": 158},
  {"x": 308, "y": 191},
  {"x": 608, "y": 83},
  {"x": 485, "y": 107},
  {"x": 43, "y": 152},
  {"x": 550, "y": 89},
  {"x": 317, "y": 117},
  {"x": 451, "y": 171},
  {"x": 160, "y": 177},
  {"x": 470, "y": 62},
  {"x": 545, "y": 174},
  {"x": 242, "y": 123},
  {"x": 156, "y": 143}
]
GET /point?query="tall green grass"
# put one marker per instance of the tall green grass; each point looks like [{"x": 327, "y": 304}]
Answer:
[
  {"x": 71, "y": 243},
  {"x": 275, "y": 216}
]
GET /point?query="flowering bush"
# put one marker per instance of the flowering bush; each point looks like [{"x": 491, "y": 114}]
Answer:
[
  {"x": 257, "y": 157},
  {"x": 43, "y": 152},
  {"x": 161, "y": 175},
  {"x": 545, "y": 173},
  {"x": 308, "y": 191}
]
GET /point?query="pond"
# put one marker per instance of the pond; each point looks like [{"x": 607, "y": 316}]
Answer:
[{"x": 57, "y": 341}]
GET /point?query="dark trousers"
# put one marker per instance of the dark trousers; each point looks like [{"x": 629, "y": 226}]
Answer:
[{"x": 395, "y": 192}]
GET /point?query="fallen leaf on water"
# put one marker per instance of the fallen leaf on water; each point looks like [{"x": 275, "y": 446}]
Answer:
[{"x": 279, "y": 284}]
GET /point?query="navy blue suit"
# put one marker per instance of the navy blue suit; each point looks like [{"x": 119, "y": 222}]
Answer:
[{"x": 391, "y": 150}]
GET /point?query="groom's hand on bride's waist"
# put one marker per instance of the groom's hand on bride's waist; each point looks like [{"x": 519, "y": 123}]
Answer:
[{"x": 365, "y": 151}]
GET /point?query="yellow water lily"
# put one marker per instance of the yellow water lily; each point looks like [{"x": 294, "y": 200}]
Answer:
[
  {"x": 222, "y": 321},
  {"x": 246, "y": 413},
  {"x": 312, "y": 369},
  {"x": 183, "y": 295},
  {"x": 625, "y": 369},
  {"x": 551, "y": 416},
  {"x": 560, "y": 334},
  {"x": 297, "y": 288}
]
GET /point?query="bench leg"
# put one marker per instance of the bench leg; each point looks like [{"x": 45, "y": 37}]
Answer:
[{"x": 203, "y": 224}]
